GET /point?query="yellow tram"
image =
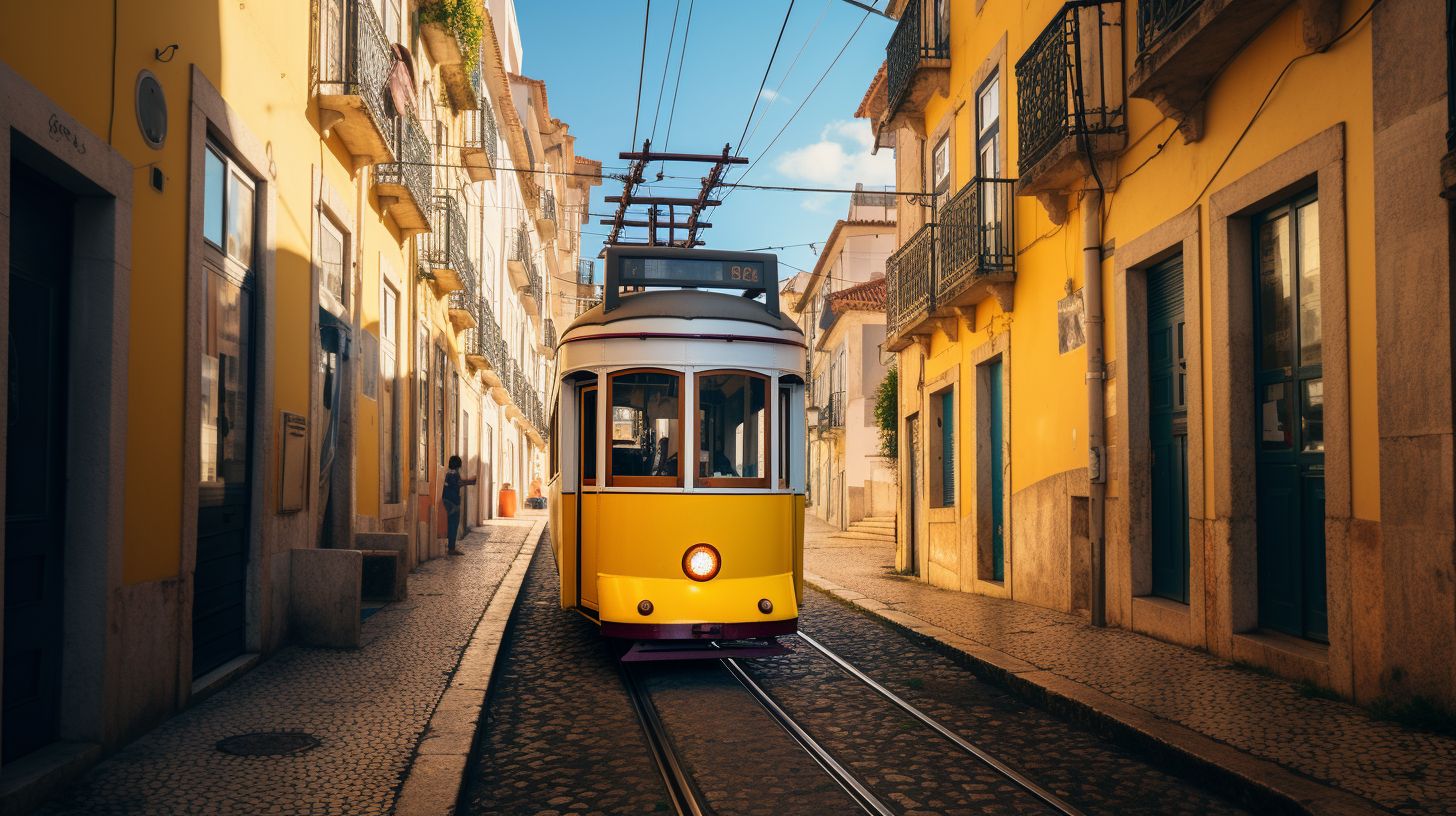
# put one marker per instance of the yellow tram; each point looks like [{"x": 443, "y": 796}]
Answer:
[{"x": 677, "y": 452}]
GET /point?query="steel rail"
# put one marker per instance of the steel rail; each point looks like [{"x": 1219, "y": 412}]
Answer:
[
  {"x": 1026, "y": 784},
  {"x": 680, "y": 789},
  {"x": 852, "y": 786}
]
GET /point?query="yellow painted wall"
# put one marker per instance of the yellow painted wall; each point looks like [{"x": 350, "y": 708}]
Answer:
[{"x": 1048, "y": 394}]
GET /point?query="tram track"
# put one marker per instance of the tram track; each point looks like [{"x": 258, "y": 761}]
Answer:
[{"x": 682, "y": 793}]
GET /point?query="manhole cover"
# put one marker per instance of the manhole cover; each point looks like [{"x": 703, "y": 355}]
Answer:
[{"x": 268, "y": 743}]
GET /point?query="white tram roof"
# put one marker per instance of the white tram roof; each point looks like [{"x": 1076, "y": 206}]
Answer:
[{"x": 684, "y": 304}]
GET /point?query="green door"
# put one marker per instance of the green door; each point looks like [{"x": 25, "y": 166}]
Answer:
[
  {"x": 1289, "y": 421},
  {"x": 1168, "y": 431},
  {"x": 998, "y": 474}
]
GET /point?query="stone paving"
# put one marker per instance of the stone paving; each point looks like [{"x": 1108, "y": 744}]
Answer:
[
  {"x": 1335, "y": 743},
  {"x": 368, "y": 708}
]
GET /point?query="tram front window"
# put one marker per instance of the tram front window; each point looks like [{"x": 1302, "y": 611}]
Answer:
[
  {"x": 646, "y": 429},
  {"x": 733, "y": 430}
]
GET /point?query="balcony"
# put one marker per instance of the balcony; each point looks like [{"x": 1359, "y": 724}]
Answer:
[
  {"x": 977, "y": 247},
  {"x": 354, "y": 66},
  {"x": 451, "y": 52},
  {"x": 480, "y": 152},
  {"x": 548, "y": 339},
  {"x": 1070, "y": 102},
  {"x": 917, "y": 60},
  {"x": 586, "y": 272},
  {"x": 403, "y": 185},
  {"x": 1183, "y": 44},
  {"x": 910, "y": 290},
  {"x": 831, "y": 415},
  {"x": 525, "y": 277},
  {"x": 445, "y": 253},
  {"x": 484, "y": 346},
  {"x": 463, "y": 309},
  {"x": 546, "y": 218}
]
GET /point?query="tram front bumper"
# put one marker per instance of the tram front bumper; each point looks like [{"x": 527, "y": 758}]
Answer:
[{"x": 723, "y": 608}]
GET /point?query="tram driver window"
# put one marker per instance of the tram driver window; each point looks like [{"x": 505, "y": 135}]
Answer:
[
  {"x": 733, "y": 430},
  {"x": 646, "y": 425}
]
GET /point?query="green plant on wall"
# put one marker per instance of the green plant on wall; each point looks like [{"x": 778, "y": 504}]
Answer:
[
  {"x": 887, "y": 413},
  {"x": 461, "y": 18}
]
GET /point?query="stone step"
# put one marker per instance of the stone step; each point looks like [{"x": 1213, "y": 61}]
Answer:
[
  {"x": 876, "y": 523},
  {"x": 862, "y": 536}
]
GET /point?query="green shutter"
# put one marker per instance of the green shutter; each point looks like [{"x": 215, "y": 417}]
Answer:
[{"x": 947, "y": 447}]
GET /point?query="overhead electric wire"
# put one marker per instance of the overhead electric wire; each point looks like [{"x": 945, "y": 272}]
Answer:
[
  {"x": 778, "y": 88},
  {"x": 666, "y": 61},
  {"x": 641, "y": 68},
  {"x": 672, "y": 110},
  {"x": 766, "y": 69}
]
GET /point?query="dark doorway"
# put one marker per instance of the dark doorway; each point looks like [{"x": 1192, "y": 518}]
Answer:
[
  {"x": 1289, "y": 420},
  {"x": 587, "y": 467},
  {"x": 995, "y": 445},
  {"x": 912, "y": 527},
  {"x": 219, "y": 601},
  {"x": 35, "y": 475},
  {"x": 1168, "y": 430}
]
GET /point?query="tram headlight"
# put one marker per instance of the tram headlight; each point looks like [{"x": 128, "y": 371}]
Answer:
[{"x": 701, "y": 562}]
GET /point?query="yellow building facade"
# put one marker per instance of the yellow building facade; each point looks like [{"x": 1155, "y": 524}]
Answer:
[
  {"x": 270, "y": 265},
  {"x": 1151, "y": 316}
]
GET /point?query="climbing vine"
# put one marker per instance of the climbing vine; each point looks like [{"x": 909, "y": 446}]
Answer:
[
  {"x": 463, "y": 19},
  {"x": 887, "y": 413}
]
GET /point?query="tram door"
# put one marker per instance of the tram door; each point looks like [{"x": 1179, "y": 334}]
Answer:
[{"x": 586, "y": 551}]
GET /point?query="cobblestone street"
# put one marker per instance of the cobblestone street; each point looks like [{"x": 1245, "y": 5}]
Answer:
[{"x": 366, "y": 707}]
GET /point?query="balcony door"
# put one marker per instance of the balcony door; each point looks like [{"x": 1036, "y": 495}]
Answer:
[{"x": 988, "y": 159}]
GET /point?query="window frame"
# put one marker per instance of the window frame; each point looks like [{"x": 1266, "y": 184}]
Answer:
[
  {"x": 588, "y": 478},
  {"x": 756, "y": 482},
  {"x": 614, "y": 480},
  {"x": 988, "y": 133},
  {"x": 937, "y": 456}
]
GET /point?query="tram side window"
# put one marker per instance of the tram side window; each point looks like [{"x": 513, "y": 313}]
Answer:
[
  {"x": 733, "y": 423},
  {"x": 646, "y": 429},
  {"x": 784, "y": 402}
]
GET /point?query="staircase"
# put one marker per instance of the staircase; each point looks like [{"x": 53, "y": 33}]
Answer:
[{"x": 878, "y": 529}]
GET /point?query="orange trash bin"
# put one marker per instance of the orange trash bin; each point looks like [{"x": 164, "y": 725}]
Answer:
[{"x": 507, "y": 507}]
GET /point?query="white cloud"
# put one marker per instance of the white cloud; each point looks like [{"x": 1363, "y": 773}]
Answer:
[
  {"x": 768, "y": 93},
  {"x": 840, "y": 158},
  {"x": 817, "y": 202}
]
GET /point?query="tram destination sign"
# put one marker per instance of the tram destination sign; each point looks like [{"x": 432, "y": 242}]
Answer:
[{"x": 754, "y": 272}]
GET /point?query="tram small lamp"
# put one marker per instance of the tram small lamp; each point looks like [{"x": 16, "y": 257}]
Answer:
[
  {"x": 765, "y": 606},
  {"x": 701, "y": 562},
  {"x": 644, "y": 607}
]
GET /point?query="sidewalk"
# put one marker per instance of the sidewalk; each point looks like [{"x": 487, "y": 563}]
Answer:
[
  {"x": 367, "y": 707},
  {"x": 1237, "y": 726}
]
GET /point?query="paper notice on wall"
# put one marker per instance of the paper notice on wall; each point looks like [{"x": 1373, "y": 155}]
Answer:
[{"x": 1071, "y": 323}]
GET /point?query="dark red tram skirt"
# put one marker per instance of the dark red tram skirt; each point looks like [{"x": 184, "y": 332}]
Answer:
[{"x": 699, "y": 631}]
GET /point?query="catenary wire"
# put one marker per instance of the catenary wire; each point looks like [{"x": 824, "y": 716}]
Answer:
[
  {"x": 666, "y": 61},
  {"x": 766, "y": 69},
  {"x": 672, "y": 109},
  {"x": 641, "y": 68},
  {"x": 787, "y": 73}
]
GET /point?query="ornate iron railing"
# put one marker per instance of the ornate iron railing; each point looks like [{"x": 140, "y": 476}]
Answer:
[
  {"x": 413, "y": 167},
  {"x": 921, "y": 34},
  {"x": 548, "y": 333},
  {"x": 831, "y": 415},
  {"x": 910, "y": 280},
  {"x": 975, "y": 235},
  {"x": 586, "y": 271},
  {"x": 1157, "y": 18},
  {"x": 1064, "y": 82},
  {"x": 355, "y": 59},
  {"x": 548, "y": 205},
  {"x": 448, "y": 244},
  {"x": 484, "y": 338},
  {"x": 481, "y": 130},
  {"x": 521, "y": 251}
]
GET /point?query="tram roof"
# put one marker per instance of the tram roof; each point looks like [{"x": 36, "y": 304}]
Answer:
[{"x": 686, "y": 304}]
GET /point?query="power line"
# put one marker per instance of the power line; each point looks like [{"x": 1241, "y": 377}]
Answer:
[
  {"x": 687, "y": 29},
  {"x": 646, "y": 18},
  {"x": 764, "y": 81},
  {"x": 666, "y": 61},
  {"x": 785, "y": 78}
]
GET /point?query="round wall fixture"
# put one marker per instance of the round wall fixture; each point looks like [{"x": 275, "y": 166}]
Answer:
[{"x": 151, "y": 109}]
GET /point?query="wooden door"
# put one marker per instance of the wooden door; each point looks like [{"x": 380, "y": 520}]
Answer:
[
  {"x": 996, "y": 441},
  {"x": 1168, "y": 431}
]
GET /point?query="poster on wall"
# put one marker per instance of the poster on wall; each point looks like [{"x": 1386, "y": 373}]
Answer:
[{"x": 1071, "y": 323}]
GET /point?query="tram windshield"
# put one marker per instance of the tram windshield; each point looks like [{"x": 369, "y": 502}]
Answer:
[
  {"x": 733, "y": 428},
  {"x": 646, "y": 426}
]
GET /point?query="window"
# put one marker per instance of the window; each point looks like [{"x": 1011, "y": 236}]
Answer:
[
  {"x": 228, "y": 201},
  {"x": 440, "y": 405},
  {"x": 784, "y": 401},
  {"x": 988, "y": 128},
  {"x": 388, "y": 353},
  {"x": 646, "y": 424},
  {"x": 733, "y": 423},
  {"x": 942, "y": 448},
  {"x": 331, "y": 258},
  {"x": 589, "y": 436},
  {"x": 940, "y": 169},
  {"x": 422, "y": 372}
]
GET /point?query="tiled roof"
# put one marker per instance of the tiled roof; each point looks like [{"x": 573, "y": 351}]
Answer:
[{"x": 868, "y": 296}]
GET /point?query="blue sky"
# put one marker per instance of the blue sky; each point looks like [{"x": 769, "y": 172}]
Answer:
[{"x": 588, "y": 52}]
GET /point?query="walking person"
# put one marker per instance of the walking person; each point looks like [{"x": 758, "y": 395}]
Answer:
[{"x": 451, "y": 497}]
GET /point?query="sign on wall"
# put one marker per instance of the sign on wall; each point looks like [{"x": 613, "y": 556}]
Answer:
[{"x": 1071, "y": 323}]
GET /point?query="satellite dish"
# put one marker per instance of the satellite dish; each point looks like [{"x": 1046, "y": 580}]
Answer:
[{"x": 151, "y": 109}]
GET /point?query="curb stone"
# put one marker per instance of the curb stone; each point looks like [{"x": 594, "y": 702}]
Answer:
[
  {"x": 432, "y": 785},
  {"x": 1261, "y": 784}
]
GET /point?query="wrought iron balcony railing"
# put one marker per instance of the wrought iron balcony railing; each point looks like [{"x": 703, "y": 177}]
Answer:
[
  {"x": 548, "y": 334},
  {"x": 976, "y": 236},
  {"x": 923, "y": 33},
  {"x": 480, "y": 152},
  {"x": 355, "y": 61},
  {"x": 411, "y": 170},
  {"x": 831, "y": 414},
  {"x": 910, "y": 281},
  {"x": 1157, "y": 18},
  {"x": 447, "y": 247},
  {"x": 1067, "y": 86},
  {"x": 548, "y": 205}
]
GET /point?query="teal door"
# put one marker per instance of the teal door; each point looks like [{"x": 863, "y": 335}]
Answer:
[
  {"x": 1289, "y": 421},
  {"x": 1168, "y": 431},
  {"x": 998, "y": 473}
]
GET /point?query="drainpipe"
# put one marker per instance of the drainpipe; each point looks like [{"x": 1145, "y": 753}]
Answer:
[{"x": 1096, "y": 416}]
